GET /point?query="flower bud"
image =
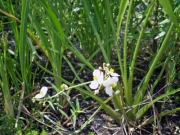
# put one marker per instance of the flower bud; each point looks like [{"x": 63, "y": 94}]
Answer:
[
  {"x": 117, "y": 92},
  {"x": 107, "y": 64},
  {"x": 100, "y": 68}
]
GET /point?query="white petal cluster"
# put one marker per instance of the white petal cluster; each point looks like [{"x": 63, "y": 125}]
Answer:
[{"x": 108, "y": 80}]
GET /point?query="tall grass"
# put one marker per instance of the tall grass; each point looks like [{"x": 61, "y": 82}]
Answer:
[
  {"x": 97, "y": 25},
  {"x": 127, "y": 66},
  {"x": 17, "y": 59},
  {"x": 4, "y": 82}
]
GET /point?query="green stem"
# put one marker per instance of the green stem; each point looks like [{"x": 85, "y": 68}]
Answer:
[
  {"x": 118, "y": 99},
  {"x": 122, "y": 8},
  {"x": 127, "y": 91},
  {"x": 82, "y": 84}
]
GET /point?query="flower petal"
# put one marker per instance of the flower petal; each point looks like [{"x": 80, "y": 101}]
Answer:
[
  {"x": 66, "y": 87},
  {"x": 106, "y": 82},
  {"x": 42, "y": 93},
  {"x": 114, "y": 79},
  {"x": 44, "y": 90},
  {"x": 96, "y": 72},
  {"x": 109, "y": 91},
  {"x": 114, "y": 74},
  {"x": 100, "y": 78},
  {"x": 39, "y": 96},
  {"x": 94, "y": 85}
]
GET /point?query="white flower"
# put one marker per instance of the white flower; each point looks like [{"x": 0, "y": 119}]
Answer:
[
  {"x": 64, "y": 87},
  {"x": 42, "y": 92},
  {"x": 110, "y": 83},
  {"x": 98, "y": 79},
  {"x": 111, "y": 72}
]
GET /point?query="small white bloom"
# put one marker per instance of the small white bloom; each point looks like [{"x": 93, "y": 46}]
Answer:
[
  {"x": 98, "y": 79},
  {"x": 42, "y": 92},
  {"x": 111, "y": 72},
  {"x": 110, "y": 83},
  {"x": 64, "y": 87}
]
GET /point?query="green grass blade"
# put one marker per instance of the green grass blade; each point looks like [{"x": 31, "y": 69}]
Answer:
[
  {"x": 52, "y": 16},
  {"x": 122, "y": 8},
  {"x": 23, "y": 50},
  {"x": 132, "y": 66},
  {"x": 6, "y": 91},
  {"x": 127, "y": 90},
  {"x": 15, "y": 76},
  {"x": 44, "y": 44},
  {"x": 100, "y": 42},
  {"x": 142, "y": 90},
  {"x": 4, "y": 82},
  {"x": 168, "y": 9},
  {"x": 159, "y": 116},
  {"x": 146, "y": 107}
]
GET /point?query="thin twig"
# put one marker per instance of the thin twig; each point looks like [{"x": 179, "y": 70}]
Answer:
[{"x": 20, "y": 105}]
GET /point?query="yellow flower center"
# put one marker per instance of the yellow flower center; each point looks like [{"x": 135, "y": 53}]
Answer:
[
  {"x": 41, "y": 92},
  {"x": 112, "y": 85},
  {"x": 111, "y": 70},
  {"x": 95, "y": 78}
]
